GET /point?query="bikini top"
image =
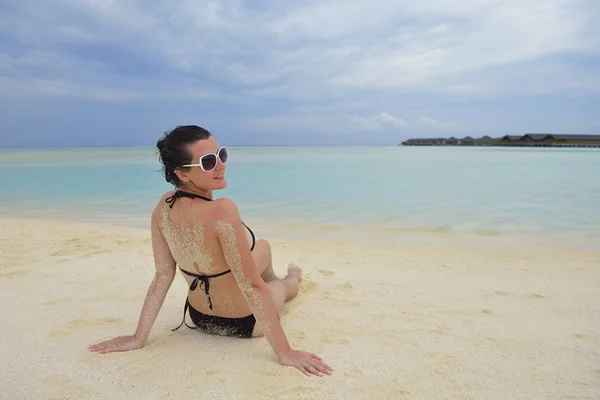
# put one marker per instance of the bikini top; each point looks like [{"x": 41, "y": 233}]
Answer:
[{"x": 203, "y": 280}]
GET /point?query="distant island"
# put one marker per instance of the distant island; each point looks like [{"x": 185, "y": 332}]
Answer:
[{"x": 527, "y": 140}]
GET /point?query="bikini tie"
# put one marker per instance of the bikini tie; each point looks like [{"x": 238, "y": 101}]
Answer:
[{"x": 204, "y": 283}]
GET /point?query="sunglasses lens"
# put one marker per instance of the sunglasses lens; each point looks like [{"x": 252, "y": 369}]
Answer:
[
  {"x": 209, "y": 162},
  {"x": 223, "y": 155}
]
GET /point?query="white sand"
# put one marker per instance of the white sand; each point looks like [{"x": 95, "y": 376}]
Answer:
[{"x": 395, "y": 322}]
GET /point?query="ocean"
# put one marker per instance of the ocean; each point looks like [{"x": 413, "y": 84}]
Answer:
[{"x": 481, "y": 191}]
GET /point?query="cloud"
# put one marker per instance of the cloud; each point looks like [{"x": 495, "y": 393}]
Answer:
[
  {"x": 379, "y": 121},
  {"x": 324, "y": 123},
  {"x": 435, "y": 124},
  {"x": 378, "y": 65},
  {"x": 461, "y": 40}
]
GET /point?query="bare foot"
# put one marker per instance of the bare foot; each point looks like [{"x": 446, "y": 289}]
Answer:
[{"x": 294, "y": 271}]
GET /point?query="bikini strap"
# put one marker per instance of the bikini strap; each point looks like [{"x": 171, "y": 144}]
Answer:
[
  {"x": 185, "y": 309},
  {"x": 251, "y": 234},
  {"x": 180, "y": 193}
]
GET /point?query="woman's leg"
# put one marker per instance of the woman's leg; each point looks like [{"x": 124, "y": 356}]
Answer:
[
  {"x": 283, "y": 290},
  {"x": 264, "y": 260}
]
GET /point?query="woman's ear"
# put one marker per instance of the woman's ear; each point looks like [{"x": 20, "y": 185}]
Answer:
[{"x": 182, "y": 175}]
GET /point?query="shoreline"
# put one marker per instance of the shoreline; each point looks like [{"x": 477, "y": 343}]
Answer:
[{"x": 287, "y": 230}]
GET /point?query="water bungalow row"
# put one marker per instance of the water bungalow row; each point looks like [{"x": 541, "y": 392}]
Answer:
[{"x": 527, "y": 140}]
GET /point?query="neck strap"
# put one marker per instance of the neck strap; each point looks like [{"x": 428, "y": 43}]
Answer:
[{"x": 181, "y": 193}]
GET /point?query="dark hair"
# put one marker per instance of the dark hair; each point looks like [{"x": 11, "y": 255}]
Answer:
[{"x": 174, "y": 151}]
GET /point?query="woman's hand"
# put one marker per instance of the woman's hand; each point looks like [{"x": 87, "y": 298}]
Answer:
[
  {"x": 307, "y": 363},
  {"x": 120, "y": 343}
]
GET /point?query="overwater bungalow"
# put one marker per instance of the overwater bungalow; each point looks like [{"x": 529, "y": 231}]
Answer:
[{"x": 527, "y": 140}]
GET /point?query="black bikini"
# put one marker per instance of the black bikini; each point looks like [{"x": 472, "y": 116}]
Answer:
[{"x": 237, "y": 327}]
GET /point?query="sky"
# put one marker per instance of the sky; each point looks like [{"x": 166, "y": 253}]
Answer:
[{"x": 363, "y": 72}]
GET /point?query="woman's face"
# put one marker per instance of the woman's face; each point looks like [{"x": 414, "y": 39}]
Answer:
[{"x": 207, "y": 170}]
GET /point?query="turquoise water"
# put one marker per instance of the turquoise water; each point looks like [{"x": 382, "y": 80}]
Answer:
[{"x": 478, "y": 190}]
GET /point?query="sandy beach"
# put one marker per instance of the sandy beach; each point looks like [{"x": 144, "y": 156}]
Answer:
[{"x": 395, "y": 321}]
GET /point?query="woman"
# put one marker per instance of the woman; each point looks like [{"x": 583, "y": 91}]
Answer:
[{"x": 233, "y": 290}]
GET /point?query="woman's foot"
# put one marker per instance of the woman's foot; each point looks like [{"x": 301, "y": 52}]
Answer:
[
  {"x": 292, "y": 281},
  {"x": 294, "y": 271}
]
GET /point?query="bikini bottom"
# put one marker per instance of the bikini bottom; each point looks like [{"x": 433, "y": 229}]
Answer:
[{"x": 237, "y": 327}]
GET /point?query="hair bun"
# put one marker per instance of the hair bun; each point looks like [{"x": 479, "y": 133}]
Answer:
[{"x": 160, "y": 144}]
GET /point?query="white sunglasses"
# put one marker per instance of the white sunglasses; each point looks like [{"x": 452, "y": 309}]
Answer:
[{"x": 208, "y": 162}]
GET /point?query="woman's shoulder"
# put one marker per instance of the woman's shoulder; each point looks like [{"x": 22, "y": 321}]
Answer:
[{"x": 226, "y": 208}]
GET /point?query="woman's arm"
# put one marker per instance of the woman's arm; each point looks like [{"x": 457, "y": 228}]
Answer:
[
  {"x": 238, "y": 256},
  {"x": 163, "y": 278}
]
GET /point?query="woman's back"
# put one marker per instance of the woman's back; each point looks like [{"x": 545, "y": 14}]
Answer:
[{"x": 190, "y": 230}]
